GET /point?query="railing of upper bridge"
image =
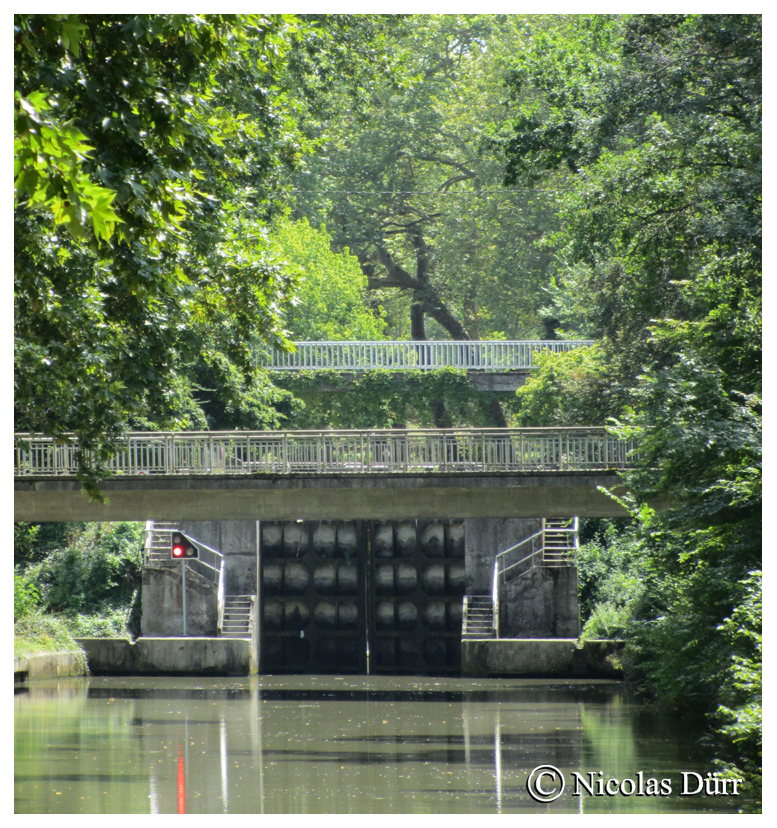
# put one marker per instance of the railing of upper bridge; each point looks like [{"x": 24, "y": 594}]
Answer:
[
  {"x": 494, "y": 355},
  {"x": 339, "y": 452}
]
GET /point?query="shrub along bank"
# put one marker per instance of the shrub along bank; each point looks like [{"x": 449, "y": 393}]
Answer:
[{"x": 75, "y": 580}]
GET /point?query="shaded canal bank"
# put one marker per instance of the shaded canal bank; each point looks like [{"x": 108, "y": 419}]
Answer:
[{"x": 281, "y": 744}]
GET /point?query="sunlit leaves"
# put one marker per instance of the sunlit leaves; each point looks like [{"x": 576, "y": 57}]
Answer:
[
  {"x": 330, "y": 300},
  {"x": 148, "y": 149},
  {"x": 49, "y": 170}
]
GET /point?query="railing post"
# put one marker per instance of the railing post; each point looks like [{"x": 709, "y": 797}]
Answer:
[{"x": 285, "y": 451}]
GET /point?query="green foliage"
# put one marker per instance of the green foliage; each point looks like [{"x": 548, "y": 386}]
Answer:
[
  {"x": 110, "y": 623},
  {"x": 25, "y": 596},
  {"x": 33, "y": 541},
  {"x": 742, "y": 714},
  {"x": 99, "y": 568},
  {"x": 331, "y": 297},
  {"x": 662, "y": 221},
  {"x": 84, "y": 576},
  {"x": 402, "y": 178},
  {"x": 382, "y": 399},
  {"x": 42, "y": 632},
  {"x": 566, "y": 389},
  {"x": 48, "y": 170},
  {"x": 656, "y": 122},
  {"x": 149, "y": 149},
  {"x": 612, "y": 571}
]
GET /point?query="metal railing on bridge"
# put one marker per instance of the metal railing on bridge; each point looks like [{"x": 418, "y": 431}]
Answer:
[
  {"x": 492, "y": 355},
  {"x": 371, "y": 451}
]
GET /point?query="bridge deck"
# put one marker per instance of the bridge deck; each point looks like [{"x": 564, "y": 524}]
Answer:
[
  {"x": 329, "y": 475},
  {"x": 322, "y": 497}
]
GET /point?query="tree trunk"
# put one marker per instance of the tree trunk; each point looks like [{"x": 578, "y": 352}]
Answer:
[
  {"x": 496, "y": 413},
  {"x": 417, "y": 324}
]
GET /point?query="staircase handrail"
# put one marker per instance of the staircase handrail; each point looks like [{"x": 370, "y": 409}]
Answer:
[
  {"x": 220, "y": 594},
  {"x": 213, "y": 571},
  {"x": 147, "y": 538},
  {"x": 537, "y": 544},
  {"x": 495, "y": 601},
  {"x": 501, "y": 565}
]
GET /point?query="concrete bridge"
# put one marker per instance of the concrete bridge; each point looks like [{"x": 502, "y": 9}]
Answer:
[
  {"x": 493, "y": 365},
  {"x": 330, "y": 475}
]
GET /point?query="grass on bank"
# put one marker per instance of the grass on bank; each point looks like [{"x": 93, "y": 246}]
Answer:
[{"x": 40, "y": 632}]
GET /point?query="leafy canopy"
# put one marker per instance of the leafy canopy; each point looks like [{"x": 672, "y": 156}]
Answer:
[
  {"x": 148, "y": 153},
  {"x": 657, "y": 121},
  {"x": 330, "y": 302}
]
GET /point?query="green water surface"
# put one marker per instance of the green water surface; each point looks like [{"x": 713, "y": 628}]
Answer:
[{"x": 328, "y": 744}]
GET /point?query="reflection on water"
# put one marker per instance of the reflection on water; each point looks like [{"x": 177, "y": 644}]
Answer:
[{"x": 320, "y": 744}]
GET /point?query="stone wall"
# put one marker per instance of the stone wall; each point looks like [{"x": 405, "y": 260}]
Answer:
[
  {"x": 541, "y": 658},
  {"x": 162, "y": 601},
  {"x": 168, "y": 656},
  {"x": 48, "y": 665},
  {"x": 541, "y": 603},
  {"x": 484, "y": 540}
]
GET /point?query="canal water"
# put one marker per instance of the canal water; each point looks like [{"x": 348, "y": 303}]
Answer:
[{"x": 329, "y": 744}]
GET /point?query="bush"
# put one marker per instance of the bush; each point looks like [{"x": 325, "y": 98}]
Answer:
[
  {"x": 611, "y": 573},
  {"x": 38, "y": 632},
  {"x": 25, "y": 596},
  {"x": 108, "y": 624},
  {"x": 100, "y": 566},
  {"x": 740, "y": 718}
]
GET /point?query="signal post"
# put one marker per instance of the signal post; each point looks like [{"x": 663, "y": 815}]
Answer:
[{"x": 182, "y": 549}]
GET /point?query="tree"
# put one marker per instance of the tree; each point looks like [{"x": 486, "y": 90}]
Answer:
[
  {"x": 330, "y": 302},
  {"x": 403, "y": 182},
  {"x": 566, "y": 389},
  {"x": 148, "y": 149},
  {"x": 657, "y": 118}
]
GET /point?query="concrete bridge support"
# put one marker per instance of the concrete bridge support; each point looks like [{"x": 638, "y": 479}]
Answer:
[
  {"x": 398, "y": 616},
  {"x": 238, "y": 543},
  {"x": 162, "y": 601}
]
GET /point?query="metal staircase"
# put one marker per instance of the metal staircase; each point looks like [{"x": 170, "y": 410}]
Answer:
[
  {"x": 236, "y": 613},
  {"x": 238, "y": 616},
  {"x": 555, "y": 545},
  {"x": 157, "y": 544},
  {"x": 478, "y": 617},
  {"x": 560, "y": 542}
]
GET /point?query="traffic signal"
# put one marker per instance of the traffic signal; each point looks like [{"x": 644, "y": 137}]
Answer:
[{"x": 181, "y": 548}]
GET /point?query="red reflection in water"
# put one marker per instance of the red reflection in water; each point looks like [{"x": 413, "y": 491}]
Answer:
[{"x": 181, "y": 783}]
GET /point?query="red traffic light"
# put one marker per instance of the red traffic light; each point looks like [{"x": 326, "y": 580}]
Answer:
[{"x": 182, "y": 547}]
